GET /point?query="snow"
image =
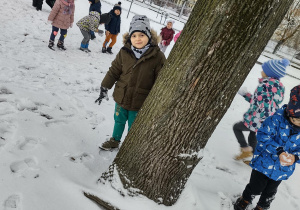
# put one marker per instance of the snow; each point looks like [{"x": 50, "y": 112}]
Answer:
[{"x": 50, "y": 127}]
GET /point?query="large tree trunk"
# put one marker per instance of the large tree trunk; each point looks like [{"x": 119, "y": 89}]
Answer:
[{"x": 216, "y": 50}]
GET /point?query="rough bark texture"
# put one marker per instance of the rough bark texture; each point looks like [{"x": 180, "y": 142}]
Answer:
[{"x": 216, "y": 50}]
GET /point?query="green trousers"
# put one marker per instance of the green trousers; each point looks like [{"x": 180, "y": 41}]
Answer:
[{"x": 121, "y": 115}]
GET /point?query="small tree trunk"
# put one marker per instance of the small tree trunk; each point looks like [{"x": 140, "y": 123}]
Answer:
[{"x": 216, "y": 50}]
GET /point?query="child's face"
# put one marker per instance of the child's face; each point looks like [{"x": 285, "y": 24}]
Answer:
[
  {"x": 169, "y": 25},
  {"x": 117, "y": 12},
  {"x": 263, "y": 74},
  {"x": 139, "y": 39},
  {"x": 295, "y": 121}
]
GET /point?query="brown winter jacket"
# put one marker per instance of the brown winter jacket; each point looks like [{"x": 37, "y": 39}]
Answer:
[
  {"x": 61, "y": 20},
  {"x": 134, "y": 78}
]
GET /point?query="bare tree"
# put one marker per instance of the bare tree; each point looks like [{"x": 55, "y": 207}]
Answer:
[
  {"x": 289, "y": 26},
  {"x": 216, "y": 50}
]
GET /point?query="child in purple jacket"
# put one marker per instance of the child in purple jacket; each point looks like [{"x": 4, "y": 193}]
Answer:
[{"x": 263, "y": 103}]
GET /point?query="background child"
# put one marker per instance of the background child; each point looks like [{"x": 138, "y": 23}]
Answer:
[
  {"x": 276, "y": 154},
  {"x": 263, "y": 103},
  {"x": 61, "y": 17},
  {"x": 140, "y": 42},
  {"x": 113, "y": 28},
  {"x": 95, "y": 5},
  {"x": 89, "y": 23},
  {"x": 166, "y": 34}
]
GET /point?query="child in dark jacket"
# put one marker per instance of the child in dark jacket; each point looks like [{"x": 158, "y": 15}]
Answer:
[
  {"x": 89, "y": 23},
  {"x": 112, "y": 29},
  {"x": 167, "y": 34},
  {"x": 276, "y": 154},
  {"x": 263, "y": 103},
  {"x": 133, "y": 72},
  {"x": 95, "y": 5}
]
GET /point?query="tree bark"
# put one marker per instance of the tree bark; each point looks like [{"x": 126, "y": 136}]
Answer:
[{"x": 216, "y": 50}]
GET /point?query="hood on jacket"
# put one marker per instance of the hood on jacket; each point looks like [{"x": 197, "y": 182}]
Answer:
[{"x": 155, "y": 39}]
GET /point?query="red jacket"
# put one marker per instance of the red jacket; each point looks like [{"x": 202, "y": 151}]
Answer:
[{"x": 167, "y": 35}]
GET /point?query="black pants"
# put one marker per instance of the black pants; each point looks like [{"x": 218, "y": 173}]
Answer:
[
  {"x": 261, "y": 185},
  {"x": 238, "y": 129}
]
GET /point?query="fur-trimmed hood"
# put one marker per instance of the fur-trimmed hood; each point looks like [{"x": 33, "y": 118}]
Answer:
[{"x": 155, "y": 39}]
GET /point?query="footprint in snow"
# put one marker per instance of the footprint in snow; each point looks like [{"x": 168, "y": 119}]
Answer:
[
  {"x": 29, "y": 143},
  {"x": 23, "y": 165},
  {"x": 13, "y": 202},
  {"x": 81, "y": 158}
]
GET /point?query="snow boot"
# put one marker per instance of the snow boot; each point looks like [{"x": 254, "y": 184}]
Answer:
[
  {"x": 258, "y": 208},
  {"x": 109, "y": 50},
  {"x": 93, "y": 36},
  {"x": 103, "y": 49},
  {"x": 60, "y": 45},
  {"x": 51, "y": 44},
  {"x": 241, "y": 204},
  {"x": 110, "y": 144},
  {"x": 246, "y": 152},
  {"x": 34, "y": 3}
]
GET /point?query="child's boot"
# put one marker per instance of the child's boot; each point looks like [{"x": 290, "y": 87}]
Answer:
[
  {"x": 34, "y": 3},
  {"x": 246, "y": 152},
  {"x": 51, "y": 44},
  {"x": 87, "y": 48},
  {"x": 241, "y": 204},
  {"x": 103, "y": 49},
  {"x": 82, "y": 47},
  {"x": 109, "y": 50},
  {"x": 93, "y": 36},
  {"x": 110, "y": 144},
  {"x": 60, "y": 45}
]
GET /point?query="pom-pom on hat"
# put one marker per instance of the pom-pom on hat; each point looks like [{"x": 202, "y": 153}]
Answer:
[
  {"x": 140, "y": 23},
  {"x": 293, "y": 107},
  {"x": 105, "y": 18},
  {"x": 275, "y": 68},
  {"x": 117, "y": 6}
]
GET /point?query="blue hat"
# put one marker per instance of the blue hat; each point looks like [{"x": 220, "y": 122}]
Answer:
[
  {"x": 293, "y": 107},
  {"x": 275, "y": 68}
]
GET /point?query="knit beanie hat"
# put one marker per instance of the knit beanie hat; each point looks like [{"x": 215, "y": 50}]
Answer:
[
  {"x": 293, "y": 107},
  {"x": 140, "y": 23},
  {"x": 117, "y": 6},
  {"x": 275, "y": 68},
  {"x": 105, "y": 18}
]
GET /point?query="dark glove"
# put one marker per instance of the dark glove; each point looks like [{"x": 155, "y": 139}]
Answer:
[
  {"x": 103, "y": 94},
  {"x": 100, "y": 32}
]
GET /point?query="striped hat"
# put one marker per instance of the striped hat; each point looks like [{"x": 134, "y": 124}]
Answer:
[{"x": 275, "y": 68}]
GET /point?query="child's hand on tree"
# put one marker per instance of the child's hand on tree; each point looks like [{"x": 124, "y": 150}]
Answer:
[{"x": 286, "y": 159}]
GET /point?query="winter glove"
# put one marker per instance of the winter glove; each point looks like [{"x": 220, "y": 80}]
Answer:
[
  {"x": 243, "y": 91},
  {"x": 103, "y": 94},
  {"x": 164, "y": 43},
  {"x": 100, "y": 32}
]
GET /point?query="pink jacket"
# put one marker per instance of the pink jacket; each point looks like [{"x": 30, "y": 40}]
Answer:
[
  {"x": 62, "y": 14},
  {"x": 176, "y": 36}
]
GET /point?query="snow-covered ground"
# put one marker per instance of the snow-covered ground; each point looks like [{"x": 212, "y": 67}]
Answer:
[{"x": 50, "y": 127}]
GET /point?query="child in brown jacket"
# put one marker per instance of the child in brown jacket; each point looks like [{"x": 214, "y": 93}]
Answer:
[
  {"x": 133, "y": 72},
  {"x": 61, "y": 17}
]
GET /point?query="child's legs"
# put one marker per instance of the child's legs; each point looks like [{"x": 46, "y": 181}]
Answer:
[
  {"x": 63, "y": 34},
  {"x": 256, "y": 186},
  {"x": 252, "y": 139},
  {"x": 54, "y": 33},
  {"x": 39, "y": 4},
  {"x": 107, "y": 38},
  {"x": 131, "y": 117},
  {"x": 120, "y": 117},
  {"x": 113, "y": 40},
  {"x": 86, "y": 37},
  {"x": 238, "y": 129},
  {"x": 268, "y": 195},
  {"x": 162, "y": 48}
]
